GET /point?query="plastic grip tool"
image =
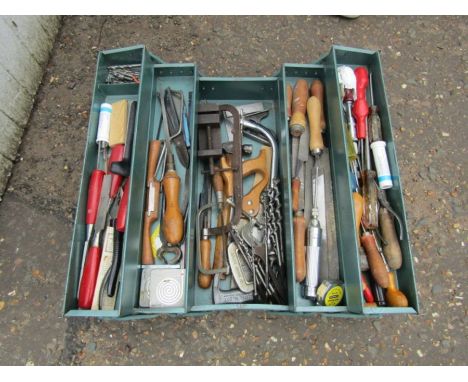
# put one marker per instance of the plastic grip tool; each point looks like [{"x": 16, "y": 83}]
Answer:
[
  {"x": 122, "y": 213},
  {"x": 116, "y": 156},
  {"x": 90, "y": 273},
  {"x": 360, "y": 107}
]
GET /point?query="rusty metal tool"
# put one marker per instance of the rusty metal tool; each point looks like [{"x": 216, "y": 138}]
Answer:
[{"x": 175, "y": 124}]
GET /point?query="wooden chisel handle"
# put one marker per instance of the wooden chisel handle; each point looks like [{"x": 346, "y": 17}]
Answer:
[
  {"x": 395, "y": 297},
  {"x": 313, "y": 112},
  {"x": 289, "y": 94},
  {"x": 376, "y": 264},
  {"x": 391, "y": 246},
  {"x": 299, "y": 226},
  {"x": 204, "y": 281},
  {"x": 316, "y": 90},
  {"x": 358, "y": 207},
  {"x": 173, "y": 221},
  {"x": 297, "y": 124}
]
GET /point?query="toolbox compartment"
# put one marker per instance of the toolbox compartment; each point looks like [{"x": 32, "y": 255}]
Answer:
[
  {"x": 103, "y": 92},
  {"x": 178, "y": 77},
  {"x": 239, "y": 91},
  {"x": 156, "y": 75},
  {"x": 405, "y": 275},
  {"x": 290, "y": 74}
]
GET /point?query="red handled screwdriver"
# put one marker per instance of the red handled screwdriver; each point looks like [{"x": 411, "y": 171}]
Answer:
[{"x": 360, "y": 107}]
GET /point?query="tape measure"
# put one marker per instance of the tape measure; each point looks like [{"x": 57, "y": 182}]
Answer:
[{"x": 330, "y": 293}]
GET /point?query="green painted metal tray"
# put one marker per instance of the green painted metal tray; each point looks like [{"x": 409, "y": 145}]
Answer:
[{"x": 156, "y": 75}]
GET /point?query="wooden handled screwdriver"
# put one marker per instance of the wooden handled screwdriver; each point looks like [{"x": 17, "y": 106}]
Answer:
[
  {"x": 172, "y": 221},
  {"x": 152, "y": 201},
  {"x": 316, "y": 90}
]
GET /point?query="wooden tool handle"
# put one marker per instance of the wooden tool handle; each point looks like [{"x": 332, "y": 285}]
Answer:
[
  {"x": 376, "y": 264},
  {"x": 299, "y": 101},
  {"x": 173, "y": 221},
  {"x": 313, "y": 112},
  {"x": 299, "y": 226},
  {"x": 147, "y": 254},
  {"x": 317, "y": 90},
  {"x": 358, "y": 207},
  {"x": 204, "y": 281},
  {"x": 395, "y": 297},
  {"x": 258, "y": 165},
  {"x": 391, "y": 247},
  {"x": 153, "y": 155},
  {"x": 218, "y": 255},
  {"x": 296, "y": 189},
  {"x": 289, "y": 93},
  {"x": 228, "y": 176}
]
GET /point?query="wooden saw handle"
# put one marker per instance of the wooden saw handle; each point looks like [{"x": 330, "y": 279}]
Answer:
[
  {"x": 153, "y": 156},
  {"x": 258, "y": 165},
  {"x": 228, "y": 176}
]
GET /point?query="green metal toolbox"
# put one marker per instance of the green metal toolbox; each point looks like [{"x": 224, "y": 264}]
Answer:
[{"x": 156, "y": 74}]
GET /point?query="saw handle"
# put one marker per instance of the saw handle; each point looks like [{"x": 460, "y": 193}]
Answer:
[
  {"x": 313, "y": 112},
  {"x": 376, "y": 264},
  {"x": 299, "y": 226},
  {"x": 228, "y": 176},
  {"x": 153, "y": 156},
  {"x": 317, "y": 90},
  {"x": 258, "y": 165},
  {"x": 297, "y": 124}
]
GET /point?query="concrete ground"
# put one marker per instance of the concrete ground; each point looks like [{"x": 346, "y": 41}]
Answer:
[{"x": 425, "y": 65}]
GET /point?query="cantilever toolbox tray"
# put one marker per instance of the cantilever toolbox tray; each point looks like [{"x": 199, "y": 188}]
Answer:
[{"x": 156, "y": 75}]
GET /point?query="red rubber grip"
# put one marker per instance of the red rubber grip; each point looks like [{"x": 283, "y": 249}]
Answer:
[
  {"x": 115, "y": 156},
  {"x": 88, "y": 280},
  {"x": 366, "y": 291},
  {"x": 94, "y": 193},
  {"x": 122, "y": 213},
  {"x": 360, "y": 107}
]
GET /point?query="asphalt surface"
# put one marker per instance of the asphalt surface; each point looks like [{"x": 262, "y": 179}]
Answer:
[{"x": 425, "y": 67}]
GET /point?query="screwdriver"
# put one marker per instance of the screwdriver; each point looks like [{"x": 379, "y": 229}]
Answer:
[
  {"x": 360, "y": 107},
  {"x": 376, "y": 263},
  {"x": 297, "y": 123},
  {"x": 314, "y": 230},
  {"x": 102, "y": 138},
  {"x": 173, "y": 221},
  {"x": 370, "y": 215},
  {"x": 317, "y": 90},
  {"x": 384, "y": 176}
]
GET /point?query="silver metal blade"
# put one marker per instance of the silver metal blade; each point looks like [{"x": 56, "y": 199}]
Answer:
[
  {"x": 309, "y": 168},
  {"x": 303, "y": 152},
  {"x": 294, "y": 154},
  {"x": 103, "y": 203}
]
